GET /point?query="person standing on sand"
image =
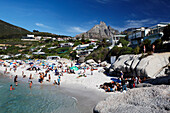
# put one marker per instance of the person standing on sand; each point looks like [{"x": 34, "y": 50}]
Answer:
[
  {"x": 121, "y": 74},
  {"x": 59, "y": 80},
  {"x": 144, "y": 49},
  {"x": 15, "y": 80},
  {"x": 49, "y": 77},
  {"x": 91, "y": 70}
]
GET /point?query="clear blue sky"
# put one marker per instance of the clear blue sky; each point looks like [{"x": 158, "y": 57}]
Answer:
[{"x": 71, "y": 17}]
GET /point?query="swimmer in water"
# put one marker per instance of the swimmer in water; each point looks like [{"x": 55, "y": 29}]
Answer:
[
  {"x": 11, "y": 88},
  {"x": 30, "y": 84}
]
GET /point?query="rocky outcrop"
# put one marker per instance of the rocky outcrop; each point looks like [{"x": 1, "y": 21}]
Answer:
[
  {"x": 99, "y": 31},
  {"x": 139, "y": 100},
  {"x": 151, "y": 66}
]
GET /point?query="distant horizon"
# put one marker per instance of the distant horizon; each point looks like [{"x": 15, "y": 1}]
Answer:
[{"x": 71, "y": 18}]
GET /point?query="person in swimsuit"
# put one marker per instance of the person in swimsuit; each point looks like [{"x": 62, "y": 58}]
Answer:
[
  {"x": 15, "y": 80},
  {"x": 49, "y": 77},
  {"x": 59, "y": 80},
  {"x": 30, "y": 84},
  {"x": 11, "y": 87}
]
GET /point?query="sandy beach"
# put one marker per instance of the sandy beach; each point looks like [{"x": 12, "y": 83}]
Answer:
[{"x": 83, "y": 89}]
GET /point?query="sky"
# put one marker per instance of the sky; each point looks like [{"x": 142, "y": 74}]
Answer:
[{"x": 72, "y": 17}]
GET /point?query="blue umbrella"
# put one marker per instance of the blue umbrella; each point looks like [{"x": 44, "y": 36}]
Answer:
[
  {"x": 78, "y": 64},
  {"x": 31, "y": 63},
  {"x": 115, "y": 80}
]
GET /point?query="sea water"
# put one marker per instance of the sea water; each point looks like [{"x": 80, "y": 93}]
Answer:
[{"x": 38, "y": 99}]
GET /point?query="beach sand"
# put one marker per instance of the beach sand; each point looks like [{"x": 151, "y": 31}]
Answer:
[{"x": 84, "y": 89}]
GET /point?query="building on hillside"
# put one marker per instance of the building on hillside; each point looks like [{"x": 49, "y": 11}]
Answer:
[
  {"x": 136, "y": 37},
  {"x": 155, "y": 32},
  {"x": 152, "y": 33},
  {"x": 38, "y": 53},
  {"x": 84, "y": 46},
  {"x": 38, "y": 37},
  {"x": 53, "y": 57},
  {"x": 116, "y": 38},
  {"x": 60, "y": 39},
  {"x": 28, "y": 38},
  {"x": 93, "y": 40},
  {"x": 45, "y": 38},
  {"x": 66, "y": 44}
]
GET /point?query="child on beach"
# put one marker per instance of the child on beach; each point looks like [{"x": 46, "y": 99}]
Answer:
[
  {"x": 11, "y": 88},
  {"x": 30, "y": 84},
  {"x": 55, "y": 83},
  {"x": 59, "y": 80}
]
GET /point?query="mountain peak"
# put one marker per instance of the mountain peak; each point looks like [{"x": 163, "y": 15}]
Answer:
[
  {"x": 102, "y": 23},
  {"x": 99, "y": 31}
]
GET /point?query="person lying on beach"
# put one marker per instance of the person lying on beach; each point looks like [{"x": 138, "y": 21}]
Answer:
[{"x": 23, "y": 76}]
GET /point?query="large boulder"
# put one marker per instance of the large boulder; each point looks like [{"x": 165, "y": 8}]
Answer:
[
  {"x": 149, "y": 66},
  {"x": 140, "y": 100}
]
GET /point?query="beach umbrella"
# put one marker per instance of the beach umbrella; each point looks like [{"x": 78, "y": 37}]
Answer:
[
  {"x": 43, "y": 64},
  {"x": 31, "y": 63},
  {"x": 78, "y": 64},
  {"x": 74, "y": 68}
]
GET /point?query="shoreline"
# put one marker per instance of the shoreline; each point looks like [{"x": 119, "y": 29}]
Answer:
[{"x": 87, "y": 96}]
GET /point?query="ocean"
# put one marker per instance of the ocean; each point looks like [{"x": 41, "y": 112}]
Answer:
[{"x": 38, "y": 99}]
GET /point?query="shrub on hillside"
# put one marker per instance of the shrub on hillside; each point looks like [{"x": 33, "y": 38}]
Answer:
[{"x": 99, "y": 54}]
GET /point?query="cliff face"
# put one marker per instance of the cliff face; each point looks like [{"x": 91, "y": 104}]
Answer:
[
  {"x": 150, "y": 66},
  {"x": 99, "y": 31}
]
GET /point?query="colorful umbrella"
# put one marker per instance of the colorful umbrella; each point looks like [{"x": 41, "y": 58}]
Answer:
[{"x": 74, "y": 68}]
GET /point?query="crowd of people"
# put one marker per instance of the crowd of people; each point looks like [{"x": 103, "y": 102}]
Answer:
[
  {"x": 57, "y": 70},
  {"x": 121, "y": 84}
]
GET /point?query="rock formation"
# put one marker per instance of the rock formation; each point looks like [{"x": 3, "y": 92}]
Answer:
[
  {"x": 151, "y": 66},
  {"x": 99, "y": 31},
  {"x": 139, "y": 100}
]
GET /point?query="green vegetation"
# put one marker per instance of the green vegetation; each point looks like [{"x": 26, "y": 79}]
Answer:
[
  {"x": 11, "y": 31},
  {"x": 166, "y": 31},
  {"x": 123, "y": 41},
  {"x": 99, "y": 54},
  {"x": 136, "y": 50}
]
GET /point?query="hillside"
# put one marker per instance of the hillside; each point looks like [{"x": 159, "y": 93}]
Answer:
[
  {"x": 7, "y": 29},
  {"x": 99, "y": 31}
]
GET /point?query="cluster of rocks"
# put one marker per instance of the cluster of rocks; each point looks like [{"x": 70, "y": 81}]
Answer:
[
  {"x": 151, "y": 66},
  {"x": 99, "y": 31},
  {"x": 139, "y": 100}
]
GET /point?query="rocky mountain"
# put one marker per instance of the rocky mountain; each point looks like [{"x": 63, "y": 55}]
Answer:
[
  {"x": 7, "y": 29},
  {"x": 99, "y": 31}
]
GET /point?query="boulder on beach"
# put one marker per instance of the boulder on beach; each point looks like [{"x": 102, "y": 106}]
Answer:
[
  {"x": 139, "y": 100},
  {"x": 149, "y": 66}
]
